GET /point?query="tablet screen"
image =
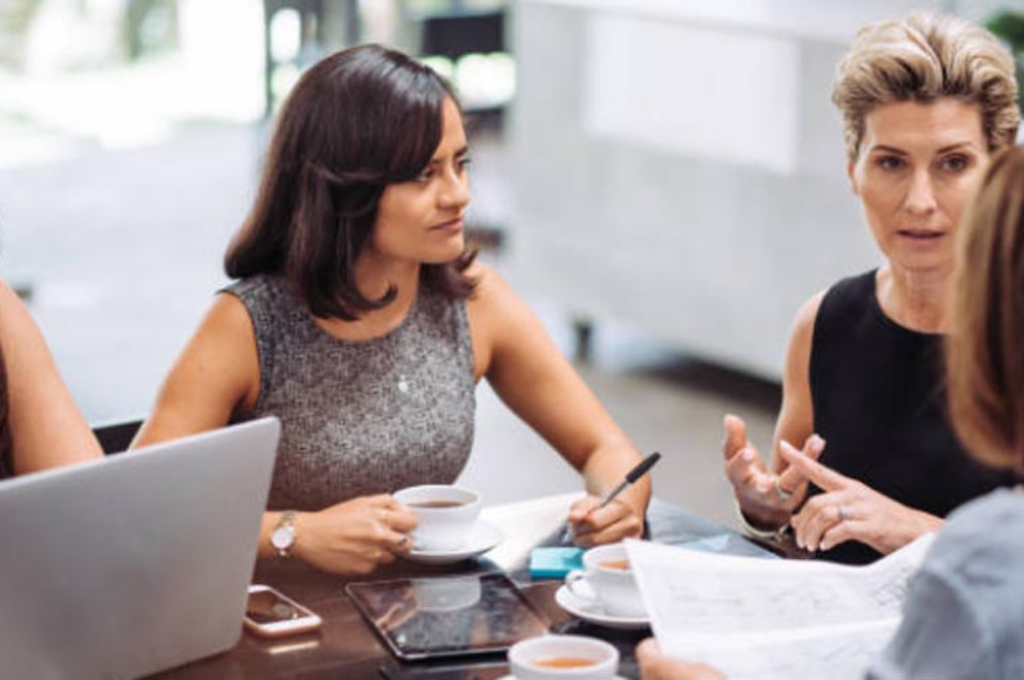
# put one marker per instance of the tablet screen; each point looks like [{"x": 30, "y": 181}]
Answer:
[{"x": 421, "y": 618}]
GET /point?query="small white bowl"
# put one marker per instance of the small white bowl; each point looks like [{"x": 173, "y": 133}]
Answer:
[{"x": 523, "y": 658}]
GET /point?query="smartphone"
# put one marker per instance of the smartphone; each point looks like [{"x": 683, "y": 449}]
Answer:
[{"x": 271, "y": 614}]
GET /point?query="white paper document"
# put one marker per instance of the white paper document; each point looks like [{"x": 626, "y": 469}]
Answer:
[{"x": 757, "y": 619}]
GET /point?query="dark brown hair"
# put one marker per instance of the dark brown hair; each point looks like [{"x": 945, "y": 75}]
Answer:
[
  {"x": 985, "y": 354},
  {"x": 358, "y": 120}
]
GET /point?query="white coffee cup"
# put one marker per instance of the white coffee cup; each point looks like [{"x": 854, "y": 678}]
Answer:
[
  {"x": 614, "y": 586},
  {"x": 533, "y": 659},
  {"x": 446, "y": 515}
]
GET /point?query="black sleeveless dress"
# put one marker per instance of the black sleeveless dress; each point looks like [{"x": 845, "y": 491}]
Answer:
[{"x": 878, "y": 399}]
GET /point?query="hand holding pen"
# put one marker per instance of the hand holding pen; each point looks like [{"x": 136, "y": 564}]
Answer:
[{"x": 595, "y": 505}]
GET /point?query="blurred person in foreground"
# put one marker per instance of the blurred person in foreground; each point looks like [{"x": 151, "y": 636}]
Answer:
[{"x": 926, "y": 100}]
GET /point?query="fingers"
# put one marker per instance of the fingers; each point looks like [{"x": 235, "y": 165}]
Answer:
[
  {"x": 746, "y": 468},
  {"x": 580, "y": 509},
  {"x": 735, "y": 435},
  {"x": 655, "y": 665},
  {"x": 401, "y": 519},
  {"x": 820, "y": 515},
  {"x": 793, "y": 478},
  {"x": 825, "y": 477},
  {"x": 609, "y": 524},
  {"x": 751, "y": 479},
  {"x": 850, "y": 530},
  {"x": 397, "y": 543},
  {"x": 813, "y": 447},
  {"x": 647, "y": 651},
  {"x": 396, "y": 521}
]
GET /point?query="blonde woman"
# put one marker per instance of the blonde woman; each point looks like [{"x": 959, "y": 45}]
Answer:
[
  {"x": 926, "y": 100},
  {"x": 964, "y": 613}
]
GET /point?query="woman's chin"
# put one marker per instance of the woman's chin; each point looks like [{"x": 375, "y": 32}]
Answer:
[{"x": 922, "y": 262}]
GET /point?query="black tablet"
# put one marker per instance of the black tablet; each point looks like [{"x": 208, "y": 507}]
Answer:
[{"x": 424, "y": 618}]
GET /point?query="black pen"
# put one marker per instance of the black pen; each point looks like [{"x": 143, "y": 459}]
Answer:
[{"x": 636, "y": 473}]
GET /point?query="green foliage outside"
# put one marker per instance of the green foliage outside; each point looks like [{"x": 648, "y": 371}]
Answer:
[{"x": 1009, "y": 26}]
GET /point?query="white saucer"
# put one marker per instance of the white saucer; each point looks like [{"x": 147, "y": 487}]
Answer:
[
  {"x": 482, "y": 538},
  {"x": 512, "y": 677},
  {"x": 593, "y": 612}
]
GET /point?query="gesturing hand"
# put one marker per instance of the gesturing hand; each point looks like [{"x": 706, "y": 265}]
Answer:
[
  {"x": 764, "y": 496},
  {"x": 849, "y": 510},
  {"x": 355, "y": 536}
]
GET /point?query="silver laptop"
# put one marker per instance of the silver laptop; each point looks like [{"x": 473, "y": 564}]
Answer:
[{"x": 132, "y": 564}]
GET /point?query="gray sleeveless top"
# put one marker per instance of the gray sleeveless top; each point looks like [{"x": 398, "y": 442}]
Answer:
[{"x": 361, "y": 417}]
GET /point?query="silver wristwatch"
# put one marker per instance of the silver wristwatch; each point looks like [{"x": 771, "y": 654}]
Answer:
[{"x": 283, "y": 536}]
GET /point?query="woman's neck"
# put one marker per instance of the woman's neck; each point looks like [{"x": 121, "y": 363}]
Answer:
[
  {"x": 374, "y": 279},
  {"x": 915, "y": 299},
  {"x": 374, "y": 276}
]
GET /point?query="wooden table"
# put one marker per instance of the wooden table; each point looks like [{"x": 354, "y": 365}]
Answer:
[{"x": 347, "y": 647}]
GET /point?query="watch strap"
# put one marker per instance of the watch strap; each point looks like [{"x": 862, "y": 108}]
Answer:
[{"x": 285, "y": 524}]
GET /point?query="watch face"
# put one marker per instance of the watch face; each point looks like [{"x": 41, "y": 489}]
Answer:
[{"x": 282, "y": 537}]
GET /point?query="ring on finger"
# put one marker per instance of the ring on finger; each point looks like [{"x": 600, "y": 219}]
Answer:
[
  {"x": 783, "y": 494},
  {"x": 843, "y": 514}
]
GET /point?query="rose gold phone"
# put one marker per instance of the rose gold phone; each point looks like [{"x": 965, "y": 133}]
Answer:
[{"x": 271, "y": 614}]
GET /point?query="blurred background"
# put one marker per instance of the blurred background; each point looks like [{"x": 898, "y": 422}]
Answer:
[{"x": 662, "y": 180}]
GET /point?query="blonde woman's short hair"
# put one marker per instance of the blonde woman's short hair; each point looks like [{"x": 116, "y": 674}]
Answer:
[{"x": 923, "y": 57}]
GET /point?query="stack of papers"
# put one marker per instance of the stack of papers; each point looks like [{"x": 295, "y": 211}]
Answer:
[{"x": 757, "y": 619}]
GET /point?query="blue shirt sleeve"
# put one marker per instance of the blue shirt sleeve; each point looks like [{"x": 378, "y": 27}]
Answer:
[{"x": 940, "y": 637}]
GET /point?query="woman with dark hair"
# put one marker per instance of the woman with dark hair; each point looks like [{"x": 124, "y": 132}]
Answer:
[
  {"x": 363, "y": 323},
  {"x": 40, "y": 426},
  {"x": 964, "y": 613}
]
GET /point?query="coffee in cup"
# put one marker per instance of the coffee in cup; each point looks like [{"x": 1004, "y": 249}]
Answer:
[
  {"x": 565, "y": 662},
  {"x": 445, "y": 515},
  {"x": 608, "y": 579},
  {"x": 436, "y": 504},
  {"x": 557, "y": 657}
]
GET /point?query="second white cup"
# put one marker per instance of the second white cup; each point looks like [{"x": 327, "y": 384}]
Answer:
[{"x": 610, "y": 578}]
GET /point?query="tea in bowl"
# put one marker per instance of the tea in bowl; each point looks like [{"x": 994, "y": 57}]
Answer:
[
  {"x": 445, "y": 515},
  {"x": 607, "y": 577},
  {"x": 558, "y": 657}
]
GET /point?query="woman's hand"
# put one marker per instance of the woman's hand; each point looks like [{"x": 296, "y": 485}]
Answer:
[
  {"x": 356, "y": 536},
  {"x": 597, "y": 526},
  {"x": 654, "y": 665},
  {"x": 849, "y": 510},
  {"x": 764, "y": 497}
]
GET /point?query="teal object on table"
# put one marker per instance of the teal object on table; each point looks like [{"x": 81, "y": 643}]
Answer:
[{"x": 555, "y": 562}]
